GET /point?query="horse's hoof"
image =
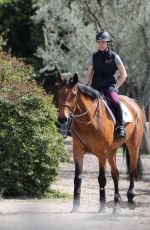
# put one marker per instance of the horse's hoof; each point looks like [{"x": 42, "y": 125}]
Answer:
[
  {"x": 115, "y": 211},
  {"x": 74, "y": 209},
  {"x": 117, "y": 198},
  {"x": 130, "y": 194},
  {"x": 116, "y": 208},
  {"x": 102, "y": 209},
  {"x": 132, "y": 205}
]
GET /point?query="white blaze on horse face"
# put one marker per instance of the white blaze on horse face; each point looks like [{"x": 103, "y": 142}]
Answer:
[
  {"x": 65, "y": 112},
  {"x": 67, "y": 101}
]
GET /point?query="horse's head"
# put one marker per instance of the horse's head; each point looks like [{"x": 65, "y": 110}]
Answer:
[{"x": 67, "y": 92}]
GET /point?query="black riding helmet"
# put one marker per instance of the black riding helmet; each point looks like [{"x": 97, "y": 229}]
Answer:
[{"x": 103, "y": 36}]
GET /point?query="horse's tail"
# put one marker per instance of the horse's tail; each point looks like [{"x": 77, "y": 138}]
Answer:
[{"x": 139, "y": 168}]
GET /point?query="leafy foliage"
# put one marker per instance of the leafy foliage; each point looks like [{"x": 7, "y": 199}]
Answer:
[
  {"x": 67, "y": 41},
  {"x": 31, "y": 146},
  {"x": 128, "y": 23},
  {"x": 16, "y": 23}
]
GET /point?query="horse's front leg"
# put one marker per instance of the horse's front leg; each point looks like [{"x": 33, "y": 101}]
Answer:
[
  {"x": 115, "y": 176},
  {"x": 78, "y": 154},
  {"x": 102, "y": 183}
]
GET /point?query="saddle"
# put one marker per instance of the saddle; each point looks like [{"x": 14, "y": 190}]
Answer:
[{"x": 127, "y": 117}]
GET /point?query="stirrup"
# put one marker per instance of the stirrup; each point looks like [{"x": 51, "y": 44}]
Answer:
[{"x": 120, "y": 132}]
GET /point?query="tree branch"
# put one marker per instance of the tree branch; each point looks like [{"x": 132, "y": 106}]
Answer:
[{"x": 93, "y": 15}]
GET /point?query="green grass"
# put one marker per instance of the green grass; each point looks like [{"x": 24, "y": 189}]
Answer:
[{"x": 55, "y": 194}]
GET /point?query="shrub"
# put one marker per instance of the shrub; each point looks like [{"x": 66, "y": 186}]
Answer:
[{"x": 30, "y": 145}]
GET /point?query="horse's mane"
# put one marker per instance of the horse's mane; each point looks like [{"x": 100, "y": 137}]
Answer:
[{"x": 88, "y": 91}]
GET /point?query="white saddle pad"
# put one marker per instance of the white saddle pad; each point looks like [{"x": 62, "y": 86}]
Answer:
[{"x": 127, "y": 117}]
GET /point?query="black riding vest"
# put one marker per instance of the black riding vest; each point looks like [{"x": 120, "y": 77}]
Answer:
[{"x": 104, "y": 68}]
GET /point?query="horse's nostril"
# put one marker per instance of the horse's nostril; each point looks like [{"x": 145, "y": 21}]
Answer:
[{"x": 62, "y": 120}]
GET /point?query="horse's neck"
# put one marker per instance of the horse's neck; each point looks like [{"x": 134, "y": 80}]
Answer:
[
  {"x": 83, "y": 103},
  {"x": 99, "y": 107}
]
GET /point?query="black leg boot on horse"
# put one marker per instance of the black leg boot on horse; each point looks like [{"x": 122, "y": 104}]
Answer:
[
  {"x": 102, "y": 184},
  {"x": 120, "y": 130},
  {"x": 117, "y": 197},
  {"x": 77, "y": 187},
  {"x": 77, "y": 192},
  {"x": 131, "y": 193}
]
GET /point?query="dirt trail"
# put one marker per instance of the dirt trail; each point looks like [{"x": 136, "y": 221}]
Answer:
[{"x": 17, "y": 214}]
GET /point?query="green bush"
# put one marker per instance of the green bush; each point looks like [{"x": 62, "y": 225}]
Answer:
[{"x": 30, "y": 145}]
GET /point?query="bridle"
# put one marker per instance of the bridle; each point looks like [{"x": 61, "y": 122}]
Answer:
[
  {"x": 74, "y": 117},
  {"x": 72, "y": 110}
]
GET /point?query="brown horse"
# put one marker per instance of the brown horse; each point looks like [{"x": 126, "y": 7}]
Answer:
[{"x": 92, "y": 130}]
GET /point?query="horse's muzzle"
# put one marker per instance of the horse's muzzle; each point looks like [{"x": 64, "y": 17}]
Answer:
[
  {"x": 62, "y": 120},
  {"x": 63, "y": 126},
  {"x": 64, "y": 129}
]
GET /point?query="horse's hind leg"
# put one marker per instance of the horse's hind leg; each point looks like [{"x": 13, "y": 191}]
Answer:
[
  {"x": 132, "y": 168},
  {"x": 78, "y": 154},
  {"x": 115, "y": 176},
  {"x": 102, "y": 183},
  {"x": 132, "y": 151},
  {"x": 135, "y": 169}
]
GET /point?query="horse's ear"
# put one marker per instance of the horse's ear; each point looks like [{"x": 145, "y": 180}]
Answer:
[
  {"x": 75, "y": 78},
  {"x": 60, "y": 79}
]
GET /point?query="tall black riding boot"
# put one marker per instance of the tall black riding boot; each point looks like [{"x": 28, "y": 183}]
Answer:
[{"x": 120, "y": 130}]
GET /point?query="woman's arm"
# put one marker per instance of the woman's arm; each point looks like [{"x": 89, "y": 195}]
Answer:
[
  {"x": 89, "y": 75},
  {"x": 122, "y": 75}
]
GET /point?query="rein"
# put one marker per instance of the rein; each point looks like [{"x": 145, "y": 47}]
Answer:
[
  {"x": 83, "y": 114},
  {"x": 87, "y": 123},
  {"x": 74, "y": 116}
]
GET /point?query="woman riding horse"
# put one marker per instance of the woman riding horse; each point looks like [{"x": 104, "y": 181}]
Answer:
[{"x": 101, "y": 69}]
